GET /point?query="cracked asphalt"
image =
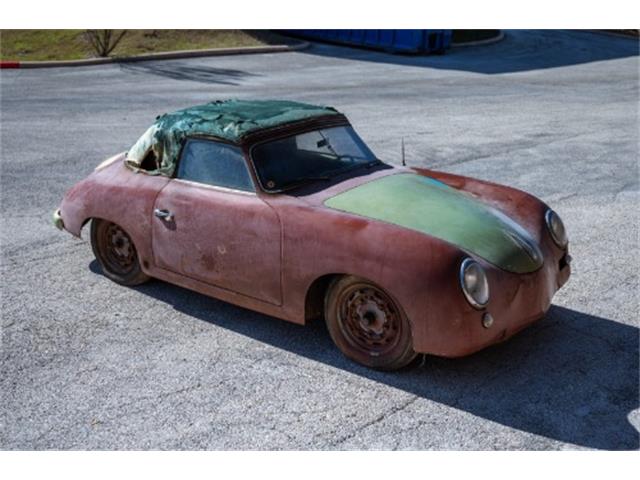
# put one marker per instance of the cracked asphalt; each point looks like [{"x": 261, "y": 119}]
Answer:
[{"x": 88, "y": 364}]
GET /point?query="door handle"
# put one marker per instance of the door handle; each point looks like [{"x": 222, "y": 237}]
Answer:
[{"x": 163, "y": 214}]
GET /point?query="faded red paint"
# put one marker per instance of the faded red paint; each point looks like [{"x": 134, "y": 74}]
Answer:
[
  {"x": 224, "y": 238},
  {"x": 264, "y": 251}
]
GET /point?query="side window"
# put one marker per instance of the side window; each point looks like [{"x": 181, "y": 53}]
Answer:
[{"x": 214, "y": 163}]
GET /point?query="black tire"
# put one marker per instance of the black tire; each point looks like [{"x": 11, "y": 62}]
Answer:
[
  {"x": 115, "y": 252},
  {"x": 367, "y": 325}
]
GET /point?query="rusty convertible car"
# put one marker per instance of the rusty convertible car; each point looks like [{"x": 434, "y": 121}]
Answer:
[{"x": 281, "y": 208}]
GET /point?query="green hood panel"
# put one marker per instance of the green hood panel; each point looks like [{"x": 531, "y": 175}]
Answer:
[{"x": 432, "y": 207}]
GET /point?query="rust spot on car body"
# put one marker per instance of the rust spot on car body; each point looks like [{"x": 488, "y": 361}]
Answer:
[{"x": 209, "y": 262}]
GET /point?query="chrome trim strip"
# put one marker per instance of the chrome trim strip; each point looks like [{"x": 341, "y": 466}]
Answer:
[
  {"x": 214, "y": 187},
  {"x": 105, "y": 163}
]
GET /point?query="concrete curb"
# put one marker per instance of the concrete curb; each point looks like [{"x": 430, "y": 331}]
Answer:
[
  {"x": 487, "y": 41},
  {"x": 211, "y": 52}
]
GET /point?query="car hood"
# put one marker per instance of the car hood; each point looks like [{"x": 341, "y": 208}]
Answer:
[{"x": 436, "y": 209}]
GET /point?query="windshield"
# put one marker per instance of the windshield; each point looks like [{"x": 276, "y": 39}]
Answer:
[{"x": 311, "y": 156}]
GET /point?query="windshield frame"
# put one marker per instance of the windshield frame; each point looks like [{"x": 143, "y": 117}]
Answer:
[{"x": 299, "y": 131}]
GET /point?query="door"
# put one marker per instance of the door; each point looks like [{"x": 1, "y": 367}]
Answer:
[{"x": 210, "y": 225}]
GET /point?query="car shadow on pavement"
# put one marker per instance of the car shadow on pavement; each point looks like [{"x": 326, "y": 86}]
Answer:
[
  {"x": 520, "y": 50},
  {"x": 183, "y": 71},
  {"x": 572, "y": 377}
]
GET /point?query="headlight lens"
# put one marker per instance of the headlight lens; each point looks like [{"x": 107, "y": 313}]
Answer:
[
  {"x": 474, "y": 283},
  {"x": 556, "y": 229}
]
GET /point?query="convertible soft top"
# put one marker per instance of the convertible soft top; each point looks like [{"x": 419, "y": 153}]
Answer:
[{"x": 230, "y": 120}]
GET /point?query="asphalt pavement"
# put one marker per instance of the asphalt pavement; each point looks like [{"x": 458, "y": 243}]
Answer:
[{"x": 88, "y": 364}]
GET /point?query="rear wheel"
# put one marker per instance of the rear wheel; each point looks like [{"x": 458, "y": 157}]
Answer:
[
  {"x": 367, "y": 325},
  {"x": 116, "y": 253}
]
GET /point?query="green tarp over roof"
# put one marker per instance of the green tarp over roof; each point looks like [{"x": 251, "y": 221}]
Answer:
[{"x": 230, "y": 120}]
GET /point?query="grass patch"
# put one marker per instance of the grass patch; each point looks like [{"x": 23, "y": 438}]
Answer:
[
  {"x": 71, "y": 44},
  {"x": 43, "y": 45}
]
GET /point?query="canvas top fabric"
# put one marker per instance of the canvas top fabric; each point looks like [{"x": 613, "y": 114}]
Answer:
[{"x": 231, "y": 120}]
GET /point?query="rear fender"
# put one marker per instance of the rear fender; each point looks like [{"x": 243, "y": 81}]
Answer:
[{"x": 119, "y": 195}]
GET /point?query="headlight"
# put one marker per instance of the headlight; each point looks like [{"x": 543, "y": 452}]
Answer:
[
  {"x": 474, "y": 283},
  {"x": 556, "y": 228}
]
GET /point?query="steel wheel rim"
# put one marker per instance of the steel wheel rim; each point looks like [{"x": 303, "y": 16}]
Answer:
[
  {"x": 118, "y": 251},
  {"x": 369, "y": 320}
]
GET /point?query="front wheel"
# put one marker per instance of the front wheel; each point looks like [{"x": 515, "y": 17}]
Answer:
[
  {"x": 367, "y": 325},
  {"x": 116, "y": 253}
]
